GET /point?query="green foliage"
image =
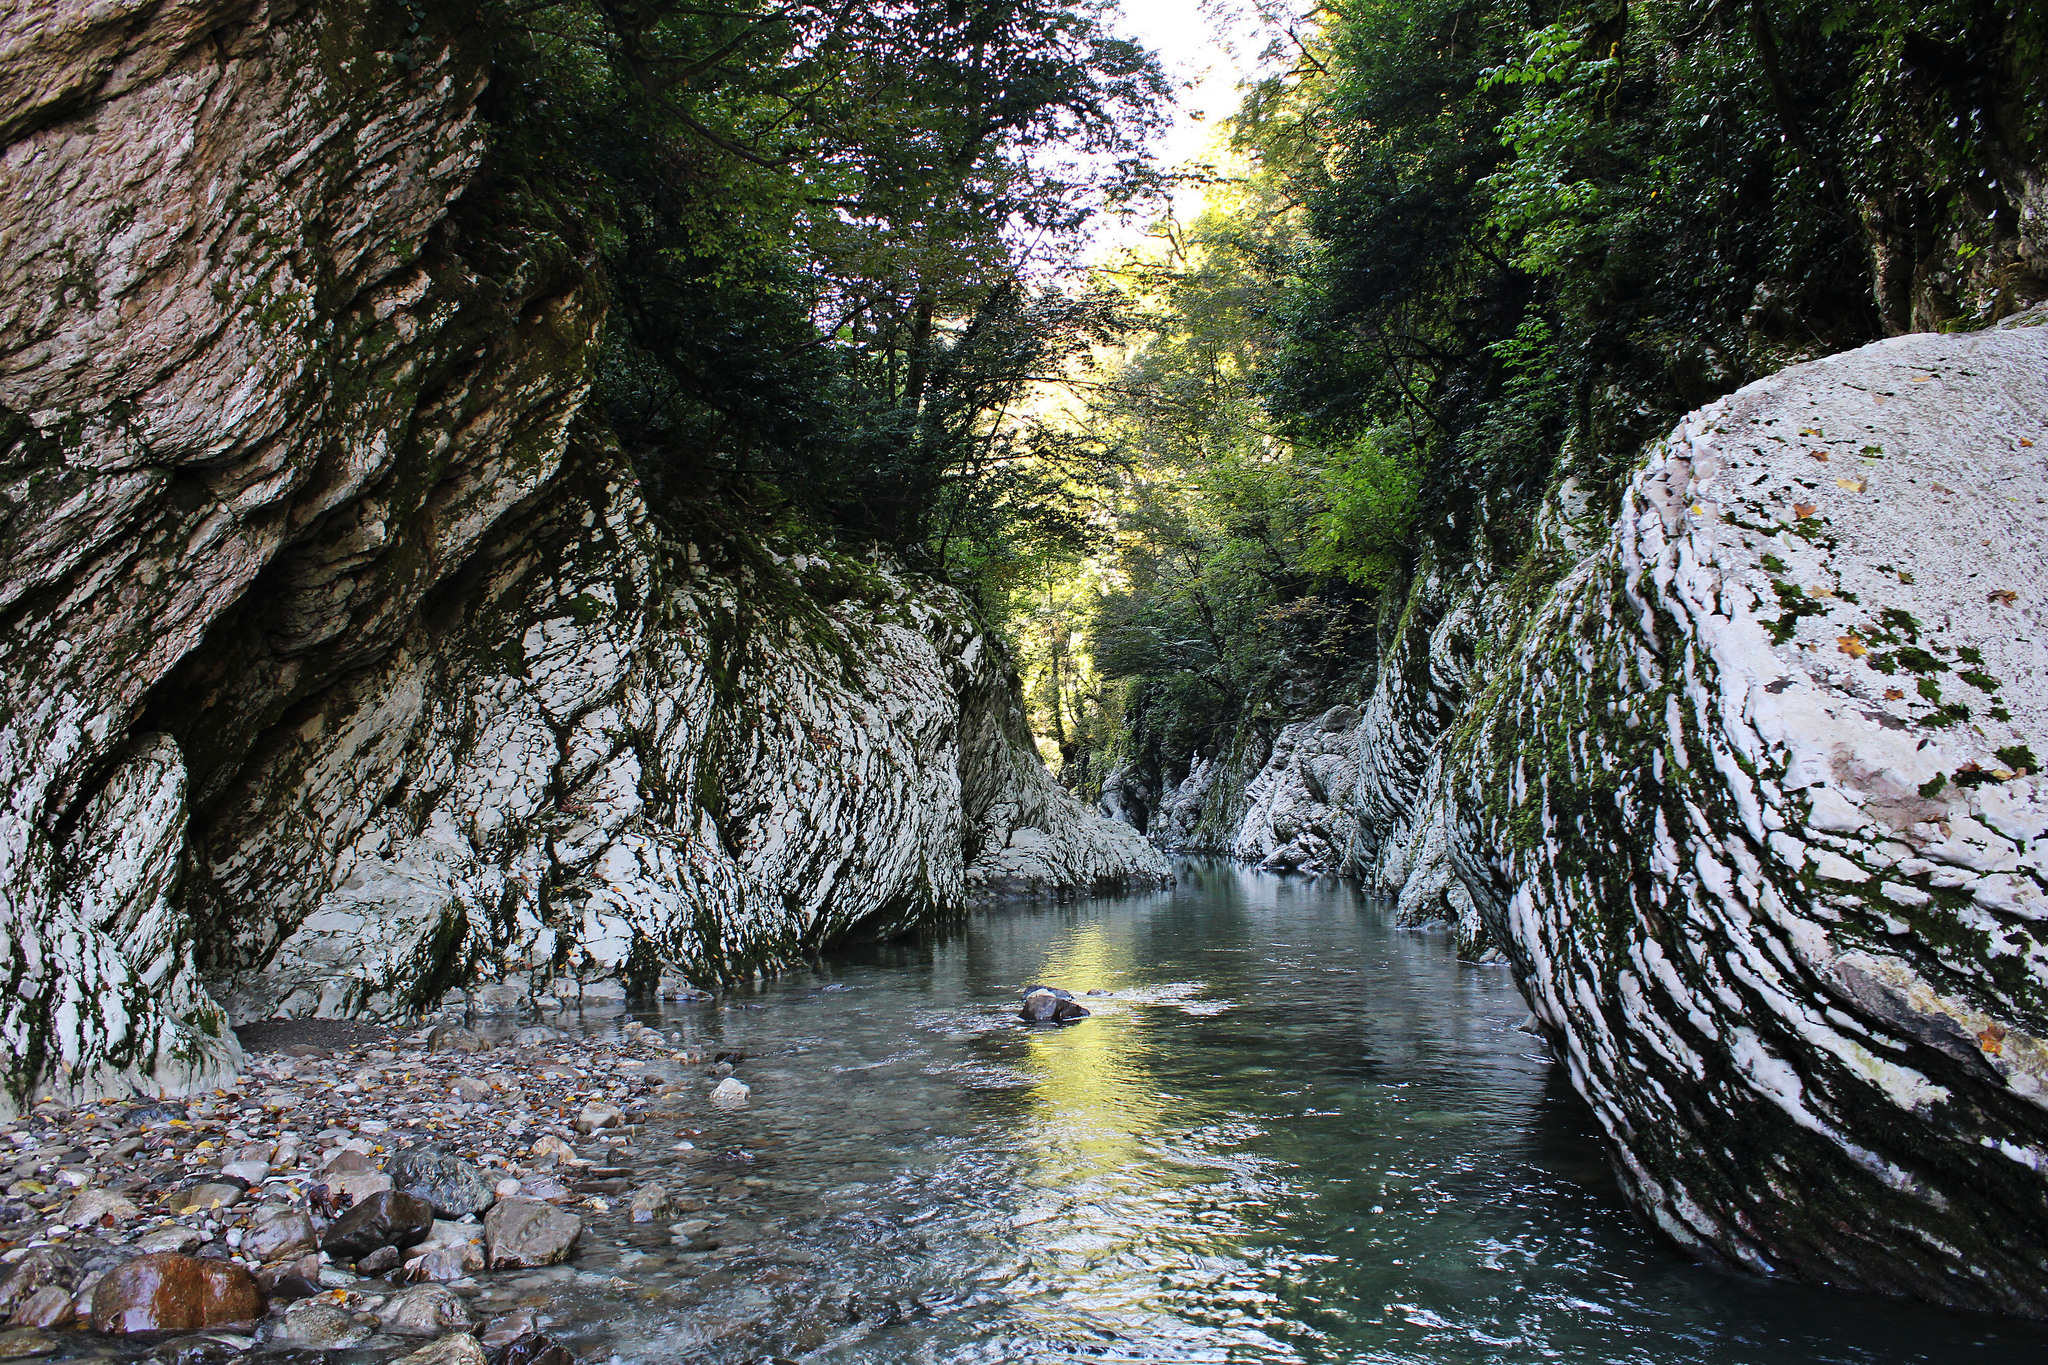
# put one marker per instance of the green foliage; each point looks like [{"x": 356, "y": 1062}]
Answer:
[{"x": 1373, "y": 489}]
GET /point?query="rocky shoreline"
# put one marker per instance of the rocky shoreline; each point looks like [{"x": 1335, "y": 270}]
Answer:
[{"x": 367, "y": 1195}]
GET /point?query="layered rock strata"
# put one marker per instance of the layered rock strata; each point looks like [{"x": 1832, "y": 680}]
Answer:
[
  {"x": 339, "y": 666},
  {"x": 1750, "y": 798}
]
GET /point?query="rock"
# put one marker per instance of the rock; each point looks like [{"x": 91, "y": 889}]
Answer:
[
  {"x": 650, "y": 1204},
  {"x": 544, "y": 1187},
  {"x": 731, "y": 1093},
  {"x": 537, "y": 1035},
  {"x": 443, "y": 1265},
  {"x": 295, "y": 1279},
  {"x": 596, "y": 1116},
  {"x": 276, "y": 1233},
  {"x": 167, "y": 1292},
  {"x": 250, "y": 1173},
  {"x": 380, "y": 1260},
  {"x": 345, "y": 1159},
  {"x": 172, "y": 1237},
  {"x": 552, "y": 1146},
  {"x": 504, "y": 1330},
  {"x": 154, "y": 1115},
  {"x": 454, "y": 1187},
  {"x": 451, "y": 1038},
  {"x": 358, "y": 1186},
  {"x": 1097, "y": 991},
  {"x": 507, "y": 1187},
  {"x": 1049, "y": 1005},
  {"x": 40, "y": 1268},
  {"x": 521, "y": 1234},
  {"x": 1759, "y": 875},
  {"x": 316, "y": 1326},
  {"x": 205, "y": 1196},
  {"x": 426, "y": 1310},
  {"x": 27, "y": 1344},
  {"x": 729, "y": 1056},
  {"x": 48, "y": 1307},
  {"x": 535, "y": 1348},
  {"x": 89, "y": 1208},
  {"x": 470, "y": 1090},
  {"x": 460, "y": 1349},
  {"x": 388, "y": 1218}
]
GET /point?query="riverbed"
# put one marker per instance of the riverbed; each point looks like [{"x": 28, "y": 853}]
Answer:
[{"x": 1291, "y": 1132}]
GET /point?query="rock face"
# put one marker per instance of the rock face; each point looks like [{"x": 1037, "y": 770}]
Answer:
[
  {"x": 1754, "y": 808},
  {"x": 1749, "y": 796},
  {"x": 342, "y": 666}
]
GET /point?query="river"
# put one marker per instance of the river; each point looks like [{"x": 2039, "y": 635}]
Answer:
[{"x": 1292, "y": 1132}]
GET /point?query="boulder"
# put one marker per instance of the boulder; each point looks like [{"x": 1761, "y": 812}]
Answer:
[
  {"x": 357, "y": 1186},
  {"x": 277, "y": 1233},
  {"x": 459, "y": 1349},
  {"x": 48, "y": 1307},
  {"x": 425, "y": 1310},
  {"x": 168, "y": 1292},
  {"x": 380, "y": 1260},
  {"x": 294, "y": 1279},
  {"x": 1754, "y": 808},
  {"x": 1050, "y": 1005},
  {"x": 389, "y": 1218},
  {"x": 523, "y": 1233},
  {"x": 731, "y": 1093},
  {"x": 454, "y": 1187},
  {"x": 443, "y": 1265}
]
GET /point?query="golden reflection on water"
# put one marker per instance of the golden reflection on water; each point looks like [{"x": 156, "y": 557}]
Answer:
[{"x": 1091, "y": 1099}]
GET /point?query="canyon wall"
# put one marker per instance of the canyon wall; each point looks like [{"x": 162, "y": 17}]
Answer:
[
  {"x": 1745, "y": 787},
  {"x": 343, "y": 666}
]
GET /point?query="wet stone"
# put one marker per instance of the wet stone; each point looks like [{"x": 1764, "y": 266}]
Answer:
[
  {"x": 42, "y": 1267},
  {"x": 460, "y": 1349},
  {"x": 523, "y": 1233},
  {"x": 27, "y": 1343},
  {"x": 387, "y": 1218},
  {"x": 276, "y": 1232},
  {"x": 426, "y": 1310},
  {"x": 204, "y": 1197},
  {"x": 168, "y": 1292},
  {"x": 318, "y": 1326},
  {"x": 49, "y": 1306},
  {"x": 454, "y": 1187}
]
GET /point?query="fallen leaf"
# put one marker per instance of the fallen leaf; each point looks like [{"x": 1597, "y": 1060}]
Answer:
[
  {"x": 1851, "y": 646},
  {"x": 1894, "y": 694},
  {"x": 1941, "y": 488},
  {"x": 1922, "y": 378},
  {"x": 1820, "y": 455},
  {"x": 1809, "y": 431},
  {"x": 1803, "y": 510},
  {"x": 2025, "y": 442},
  {"x": 2004, "y": 597},
  {"x": 1822, "y": 592},
  {"x": 1853, "y": 485},
  {"x": 1992, "y": 1039}
]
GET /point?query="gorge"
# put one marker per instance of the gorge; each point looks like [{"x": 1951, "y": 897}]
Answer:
[{"x": 498, "y": 531}]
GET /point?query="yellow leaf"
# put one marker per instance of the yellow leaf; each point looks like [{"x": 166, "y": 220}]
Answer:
[
  {"x": 1851, "y": 646},
  {"x": 1894, "y": 694},
  {"x": 1803, "y": 510},
  {"x": 1853, "y": 485},
  {"x": 1822, "y": 592},
  {"x": 2003, "y": 597},
  {"x": 1820, "y": 455}
]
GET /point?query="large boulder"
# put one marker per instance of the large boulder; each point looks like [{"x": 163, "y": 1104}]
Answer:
[
  {"x": 388, "y": 1218},
  {"x": 169, "y": 1292},
  {"x": 520, "y": 1234},
  {"x": 455, "y": 1188},
  {"x": 1754, "y": 805}
]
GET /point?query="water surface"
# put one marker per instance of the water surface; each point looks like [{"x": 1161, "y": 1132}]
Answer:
[{"x": 1294, "y": 1133}]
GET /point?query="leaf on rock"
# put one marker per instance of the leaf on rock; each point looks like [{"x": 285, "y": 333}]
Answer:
[
  {"x": 1894, "y": 694},
  {"x": 2003, "y": 597},
  {"x": 1820, "y": 455},
  {"x": 1851, "y": 646},
  {"x": 1803, "y": 510},
  {"x": 1852, "y": 485}
]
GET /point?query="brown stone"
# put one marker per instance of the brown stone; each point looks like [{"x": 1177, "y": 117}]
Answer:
[
  {"x": 49, "y": 1306},
  {"x": 170, "y": 1292}
]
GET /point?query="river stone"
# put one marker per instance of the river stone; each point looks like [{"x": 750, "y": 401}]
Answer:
[
  {"x": 41, "y": 1267},
  {"x": 425, "y": 1310},
  {"x": 523, "y": 1233},
  {"x": 92, "y": 1207},
  {"x": 1046, "y": 1005},
  {"x": 650, "y": 1203},
  {"x": 26, "y": 1344},
  {"x": 444, "y": 1265},
  {"x": 204, "y": 1197},
  {"x": 50, "y": 1306},
  {"x": 344, "y": 1159},
  {"x": 171, "y": 1237},
  {"x": 595, "y": 1116},
  {"x": 316, "y": 1326},
  {"x": 276, "y": 1232},
  {"x": 388, "y": 1218},
  {"x": 454, "y": 1187},
  {"x": 459, "y": 1349},
  {"x": 295, "y": 1279},
  {"x": 731, "y": 1093},
  {"x": 380, "y": 1260},
  {"x": 535, "y": 1348},
  {"x": 358, "y": 1186},
  {"x": 165, "y": 1291}
]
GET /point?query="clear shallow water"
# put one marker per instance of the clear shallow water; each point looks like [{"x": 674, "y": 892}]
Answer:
[{"x": 1295, "y": 1133}]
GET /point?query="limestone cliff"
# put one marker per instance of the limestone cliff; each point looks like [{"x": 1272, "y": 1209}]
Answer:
[
  {"x": 342, "y": 666},
  {"x": 1746, "y": 788}
]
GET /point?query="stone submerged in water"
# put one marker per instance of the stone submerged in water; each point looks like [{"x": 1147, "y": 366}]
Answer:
[
  {"x": 170, "y": 1292},
  {"x": 389, "y": 1218},
  {"x": 431, "y": 1172},
  {"x": 1051, "y": 1005}
]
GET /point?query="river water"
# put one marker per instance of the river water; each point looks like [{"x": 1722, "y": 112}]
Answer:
[{"x": 1292, "y": 1133}]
